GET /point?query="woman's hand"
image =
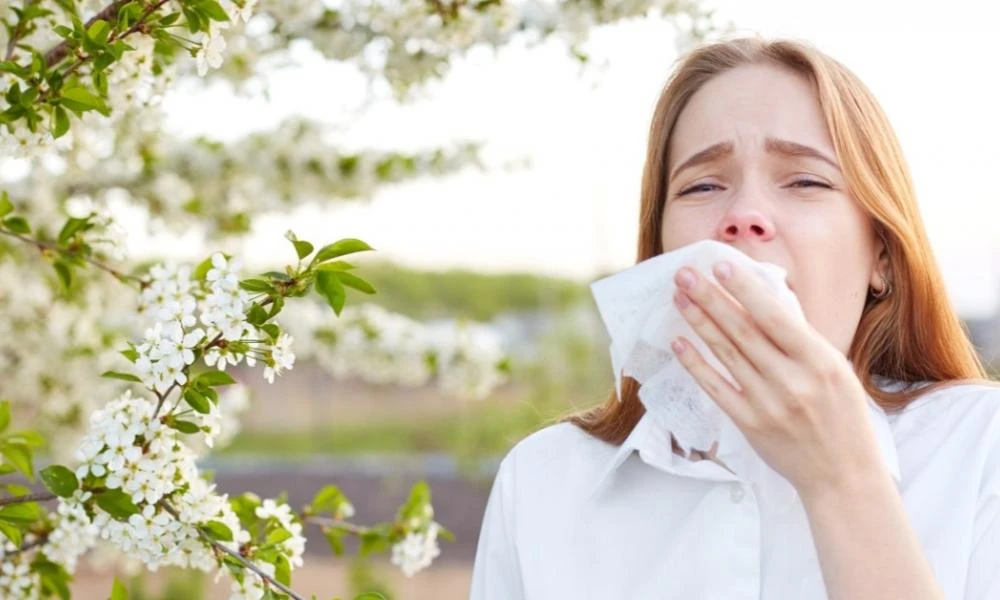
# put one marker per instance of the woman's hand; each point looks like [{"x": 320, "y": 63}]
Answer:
[{"x": 798, "y": 401}]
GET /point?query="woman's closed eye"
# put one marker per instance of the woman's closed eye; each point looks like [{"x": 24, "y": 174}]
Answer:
[
  {"x": 798, "y": 183},
  {"x": 804, "y": 183}
]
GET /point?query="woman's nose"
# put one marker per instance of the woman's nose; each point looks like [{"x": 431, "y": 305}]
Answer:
[{"x": 745, "y": 224}]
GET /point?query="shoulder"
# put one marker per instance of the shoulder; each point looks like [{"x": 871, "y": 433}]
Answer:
[
  {"x": 972, "y": 403},
  {"x": 960, "y": 419},
  {"x": 557, "y": 452}
]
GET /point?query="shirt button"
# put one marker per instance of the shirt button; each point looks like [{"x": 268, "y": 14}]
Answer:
[{"x": 736, "y": 493}]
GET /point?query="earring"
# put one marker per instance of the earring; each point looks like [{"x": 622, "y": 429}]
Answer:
[{"x": 885, "y": 291}]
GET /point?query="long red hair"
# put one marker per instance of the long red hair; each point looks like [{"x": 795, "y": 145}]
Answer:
[{"x": 913, "y": 335}]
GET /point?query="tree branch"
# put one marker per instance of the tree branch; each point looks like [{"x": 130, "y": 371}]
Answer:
[
  {"x": 326, "y": 522},
  {"x": 60, "y": 51},
  {"x": 39, "y": 497},
  {"x": 247, "y": 563},
  {"x": 43, "y": 246}
]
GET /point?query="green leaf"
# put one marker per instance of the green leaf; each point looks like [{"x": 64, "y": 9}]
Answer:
[
  {"x": 210, "y": 394},
  {"x": 283, "y": 570},
  {"x": 277, "y": 536},
  {"x": 303, "y": 249},
  {"x": 197, "y": 401},
  {"x": 257, "y": 315},
  {"x": 328, "y": 499},
  {"x": 244, "y": 506},
  {"x": 25, "y": 437},
  {"x": 6, "y": 207},
  {"x": 272, "y": 330},
  {"x": 118, "y": 591},
  {"x": 70, "y": 229},
  {"x": 12, "y": 533},
  {"x": 116, "y": 503},
  {"x": 82, "y": 99},
  {"x": 340, "y": 248},
  {"x": 55, "y": 578},
  {"x": 353, "y": 281},
  {"x": 277, "y": 276},
  {"x": 183, "y": 426},
  {"x": 99, "y": 31},
  {"x": 64, "y": 273},
  {"x": 21, "y": 514},
  {"x": 17, "y": 225},
  {"x": 131, "y": 354},
  {"x": 336, "y": 265},
  {"x": 213, "y": 10},
  {"x": 336, "y": 539},
  {"x": 214, "y": 378},
  {"x": 332, "y": 290},
  {"x": 217, "y": 531},
  {"x": 373, "y": 542},
  {"x": 120, "y": 375},
  {"x": 257, "y": 286},
  {"x": 59, "y": 480},
  {"x": 60, "y": 124},
  {"x": 18, "y": 455},
  {"x": 4, "y": 415},
  {"x": 370, "y": 596},
  {"x": 202, "y": 269}
]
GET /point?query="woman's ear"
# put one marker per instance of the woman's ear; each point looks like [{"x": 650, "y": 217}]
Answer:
[{"x": 881, "y": 275}]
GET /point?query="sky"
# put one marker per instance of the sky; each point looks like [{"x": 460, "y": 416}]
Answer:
[{"x": 573, "y": 212}]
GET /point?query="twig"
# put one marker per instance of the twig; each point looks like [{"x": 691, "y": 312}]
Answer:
[
  {"x": 17, "y": 34},
  {"x": 42, "y": 246},
  {"x": 326, "y": 522},
  {"x": 39, "y": 497},
  {"x": 247, "y": 563},
  {"x": 60, "y": 51},
  {"x": 32, "y": 544}
]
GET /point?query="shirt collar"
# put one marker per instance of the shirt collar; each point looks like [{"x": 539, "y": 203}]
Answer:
[{"x": 653, "y": 444}]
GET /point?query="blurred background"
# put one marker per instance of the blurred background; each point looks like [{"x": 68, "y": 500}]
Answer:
[{"x": 495, "y": 187}]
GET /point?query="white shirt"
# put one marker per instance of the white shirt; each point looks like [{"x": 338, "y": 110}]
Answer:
[{"x": 572, "y": 517}]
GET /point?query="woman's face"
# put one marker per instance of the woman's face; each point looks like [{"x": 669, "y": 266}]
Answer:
[{"x": 752, "y": 165}]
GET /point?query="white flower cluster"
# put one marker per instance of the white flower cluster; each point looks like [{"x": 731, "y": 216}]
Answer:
[
  {"x": 74, "y": 533},
  {"x": 129, "y": 450},
  {"x": 107, "y": 237},
  {"x": 17, "y": 580},
  {"x": 379, "y": 346},
  {"x": 294, "y": 546},
  {"x": 52, "y": 352},
  {"x": 417, "y": 550},
  {"x": 172, "y": 298},
  {"x": 213, "y": 45}
]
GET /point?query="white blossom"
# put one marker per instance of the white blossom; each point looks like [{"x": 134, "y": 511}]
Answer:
[{"x": 417, "y": 550}]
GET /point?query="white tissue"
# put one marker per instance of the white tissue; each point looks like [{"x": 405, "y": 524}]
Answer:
[{"x": 637, "y": 308}]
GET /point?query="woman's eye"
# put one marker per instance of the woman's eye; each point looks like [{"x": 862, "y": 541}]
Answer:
[
  {"x": 810, "y": 183},
  {"x": 701, "y": 187}
]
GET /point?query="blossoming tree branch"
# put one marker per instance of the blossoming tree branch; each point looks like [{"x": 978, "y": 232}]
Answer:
[
  {"x": 137, "y": 483},
  {"x": 125, "y": 391}
]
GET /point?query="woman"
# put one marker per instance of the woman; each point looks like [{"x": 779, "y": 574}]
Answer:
[{"x": 783, "y": 153}]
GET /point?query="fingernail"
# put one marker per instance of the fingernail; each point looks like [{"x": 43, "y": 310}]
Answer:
[
  {"x": 678, "y": 346},
  {"x": 723, "y": 270},
  {"x": 682, "y": 300},
  {"x": 685, "y": 279}
]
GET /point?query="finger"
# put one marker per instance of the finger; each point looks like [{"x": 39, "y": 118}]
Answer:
[
  {"x": 749, "y": 380},
  {"x": 728, "y": 398},
  {"x": 772, "y": 319},
  {"x": 734, "y": 322}
]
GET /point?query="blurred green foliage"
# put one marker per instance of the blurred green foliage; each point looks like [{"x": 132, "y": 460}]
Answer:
[
  {"x": 467, "y": 294},
  {"x": 570, "y": 372}
]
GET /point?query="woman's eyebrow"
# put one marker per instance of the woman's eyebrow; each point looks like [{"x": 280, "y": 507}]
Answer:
[
  {"x": 790, "y": 148},
  {"x": 713, "y": 152},
  {"x": 772, "y": 145}
]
